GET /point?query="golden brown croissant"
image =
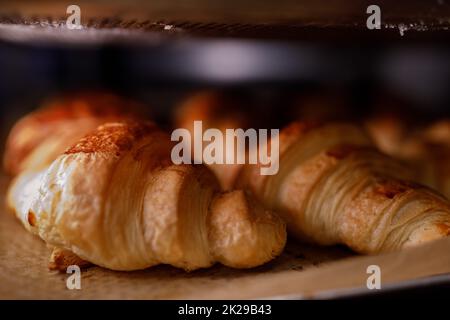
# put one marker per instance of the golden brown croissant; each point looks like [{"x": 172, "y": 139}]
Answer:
[
  {"x": 435, "y": 154},
  {"x": 425, "y": 150},
  {"x": 216, "y": 110},
  {"x": 115, "y": 199},
  {"x": 38, "y": 138},
  {"x": 390, "y": 134},
  {"x": 334, "y": 187}
]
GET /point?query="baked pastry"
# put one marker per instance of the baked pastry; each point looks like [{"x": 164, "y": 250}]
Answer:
[
  {"x": 435, "y": 155},
  {"x": 320, "y": 104},
  {"x": 426, "y": 149},
  {"x": 224, "y": 110},
  {"x": 115, "y": 199},
  {"x": 438, "y": 132},
  {"x": 39, "y": 137},
  {"x": 333, "y": 187},
  {"x": 389, "y": 133},
  {"x": 220, "y": 111}
]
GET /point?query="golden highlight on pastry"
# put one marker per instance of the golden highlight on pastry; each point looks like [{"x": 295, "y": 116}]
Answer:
[
  {"x": 220, "y": 111},
  {"x": 333, "y": 187},
  {"x": 115, "y": 199},
  {"x": 426, "y": 149},
  {"x": 39, "y": 137}
]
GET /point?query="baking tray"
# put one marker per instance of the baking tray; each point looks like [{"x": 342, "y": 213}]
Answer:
[{"x": 301, "y": 272}]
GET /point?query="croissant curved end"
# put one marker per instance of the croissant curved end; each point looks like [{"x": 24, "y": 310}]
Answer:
[
  {"x": 242, "y": 233},
  {"x": 426, "y": 233}
]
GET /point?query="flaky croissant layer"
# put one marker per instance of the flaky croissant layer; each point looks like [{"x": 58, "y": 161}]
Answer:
[
  {"x": 116, "y": 200},
  {"x": 333, "y": 187}
]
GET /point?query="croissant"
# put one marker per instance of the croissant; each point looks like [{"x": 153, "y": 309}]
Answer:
[
  {"x": 116, "y": 200},
  {"x": 390, "y": 134},
  {"x": 425, "y": 149},
  {"x": 438, "y": 133},
  {"x": 216, "y": 110},
  {"x": 435, "y": 154},
  {"x": 39, "y": 137},
  {"x": 333, "y": 187}
]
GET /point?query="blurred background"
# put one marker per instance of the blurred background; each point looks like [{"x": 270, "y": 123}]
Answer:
[{"x": 285, "y": 58}]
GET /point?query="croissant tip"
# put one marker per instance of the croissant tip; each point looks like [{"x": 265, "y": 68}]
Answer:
[{"x": 61, "y": 259}]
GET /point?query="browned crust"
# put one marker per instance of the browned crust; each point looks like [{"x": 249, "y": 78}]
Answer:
[
  {"x": 392, "y": 188},
  {"x": 31, "y": 218},
  {"x": 113, "y": 137},
  {"x": 87, "y": 104},
  {"x": 444, "y": 228},
  {"x": 342, "y": 151},
  {"x": 296, "y": 130},
  {"x": 30, "y": 131},
  {"x": 299, "y": 128},
  {"x": 61, "y": 259},
  {"x": 215, "y": 108}
]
